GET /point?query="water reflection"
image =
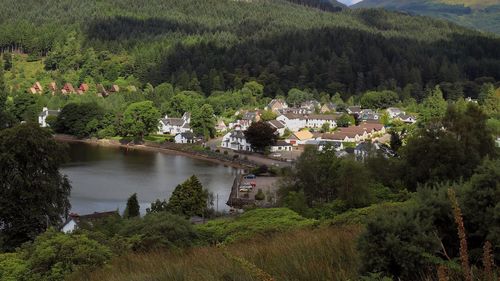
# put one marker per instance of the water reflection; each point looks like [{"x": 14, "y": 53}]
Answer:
[{"x": 103, "y": 178}]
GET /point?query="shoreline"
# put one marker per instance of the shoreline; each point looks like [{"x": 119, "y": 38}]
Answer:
[{"x": 144, "y": 147}]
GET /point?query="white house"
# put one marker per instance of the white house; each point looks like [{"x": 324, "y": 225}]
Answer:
[
  {"x": 318, "y": 120},
  {"x": 75, "y": 221},
  {"x": 236, "y": 140},
  {"x": 186, "y": 137},
  {"x": 295, "y": 110},
  {"x": 394, "y": 111},
  {"x": 42, "y": 117},
  {"x": 281, "y": 146},
  {"x": 293, "y": 122},
  {"x": 174, "y": 126},
  {"x": 406, "y": 118}
]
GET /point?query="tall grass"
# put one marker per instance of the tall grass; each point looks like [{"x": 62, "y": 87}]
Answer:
[{"x": 319, "y": 254}]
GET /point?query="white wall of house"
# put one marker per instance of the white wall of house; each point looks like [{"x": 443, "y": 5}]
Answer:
[
  {"x": 293, "y": 125},
  {"x": 235, "y": 143},
  {"x": 69, "y": 227}
]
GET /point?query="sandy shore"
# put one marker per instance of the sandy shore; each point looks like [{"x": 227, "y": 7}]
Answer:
[{"x": 113, "y": 143}]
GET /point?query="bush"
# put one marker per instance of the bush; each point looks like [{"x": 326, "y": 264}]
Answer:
[
  {"x": 236, "y": 156},
  {"x": 159, "y": 230},
  {"x": 250, "y": 223},
  {"x": 53, "y": 255},
  {"x": 260, "y": 195},
  {"x": 225, "y": 152}
]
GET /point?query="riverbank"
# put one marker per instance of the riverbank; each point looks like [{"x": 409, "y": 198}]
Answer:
[{"x": 240, "y": 162}]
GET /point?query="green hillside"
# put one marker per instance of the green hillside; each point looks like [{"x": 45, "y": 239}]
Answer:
[
  {"x": 210, "y": 45},
  {"x": 478, "y": 14}
]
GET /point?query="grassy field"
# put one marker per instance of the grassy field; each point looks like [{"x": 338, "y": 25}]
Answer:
[{"x": 307, "y": 254}]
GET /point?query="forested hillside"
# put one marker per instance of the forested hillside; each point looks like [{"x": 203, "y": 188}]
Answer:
[
  {"x": 480, "y": 14},
  {"x": 220, "y": 44}
]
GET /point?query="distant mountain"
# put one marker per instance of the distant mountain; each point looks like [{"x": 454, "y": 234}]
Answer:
[
  {"x": 327, "y": 5},
  {"x": 479, "y": 14}
]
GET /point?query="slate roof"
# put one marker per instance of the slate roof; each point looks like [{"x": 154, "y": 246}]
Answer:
[{"x": 276, "y": 124}]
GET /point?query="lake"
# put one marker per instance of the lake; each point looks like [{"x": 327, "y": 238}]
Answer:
[{"x": 104, "y": 177}]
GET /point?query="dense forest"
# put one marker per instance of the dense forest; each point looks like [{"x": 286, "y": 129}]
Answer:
[
  {"x": 479, "y": 14},
  {"x": 220, "y": 45}
]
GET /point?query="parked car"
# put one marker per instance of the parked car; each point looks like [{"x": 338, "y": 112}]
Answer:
[
  {"x": 250, "y": 177},
  {"x": 245, "y": 188},
  {"x": 276, "y": 155}
]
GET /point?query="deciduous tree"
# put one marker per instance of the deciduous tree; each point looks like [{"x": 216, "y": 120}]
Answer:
[
  {"x": 33, "y": 192},
  {"x": 140, "y": 119},
  {"x": 260, "y": 135}
]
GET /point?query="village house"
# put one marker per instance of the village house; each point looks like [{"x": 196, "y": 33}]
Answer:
[
  {"x": 394, "y": 111},
  {"x": 76, "y": 221},
  {"x": 36, "y": 88},
  {"x": 236, "y": 140},
  {"x": 174, "y": 126},
  {"x": 276, "y": 104},
  {"x": 318, "y": 120},
  {"x": 84, "y": 87},
  {"x": 368, "y": 115},
  {"x": 410, "y": 119},
  {"x": 220, "y": 126},
  {"x": 343, "y": 136},
  {"x": 300, "y": 138},
  {"x": 68, "y": 89},
  {"x": 114, "y": 89},
  {"x": 240, "y": 124},
  {"x": 280, "y": 146},
  {"x": 355, "y": 133},
  {"x": 330, "y": 144},
  {"x": 354, "y": 110},
  {"x": 311, "y": 105},
  {"x": 186, "y": 137},
  {"x": 52, "y": 87},
  {"x": 328, "y": 107},
  {"x": 252, "y": 116},
  {"x": 366, "y": 149},
  {"x": 42, "y": 117},
  {"x": 295, "y": 110},
  {"x": 294, "y": 122},
  {"x": 278, "y": 125}
]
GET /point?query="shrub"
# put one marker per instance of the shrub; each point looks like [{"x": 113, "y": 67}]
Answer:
[
  {"x": 53, "y": 255},
  {"x": 250, "y": 223},
  {"x": 236, "y": 156},
  {"x": 225, "y": 152},
  {"x": 159, "y": 230},
  {"x": 260, "y": 195}
]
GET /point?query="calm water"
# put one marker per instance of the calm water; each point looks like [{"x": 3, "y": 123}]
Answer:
[{"x": 103, "y": 177}]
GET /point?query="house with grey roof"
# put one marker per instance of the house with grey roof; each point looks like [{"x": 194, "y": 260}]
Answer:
[
  {"x": 174, "y": 126},
  {"x": 278, "y": 125},
  {"x": 236, "y": 140},
  {"x": 368, "y": 115}
]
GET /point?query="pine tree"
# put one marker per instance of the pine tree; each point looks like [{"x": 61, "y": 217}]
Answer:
[
  {"x": 3, "y": 88},
  {"x": 189, "y": 198},
  {"x": 132, "y": 209}
]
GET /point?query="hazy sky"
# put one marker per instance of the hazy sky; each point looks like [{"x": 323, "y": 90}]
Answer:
[{"x": 349, "y": 2}]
